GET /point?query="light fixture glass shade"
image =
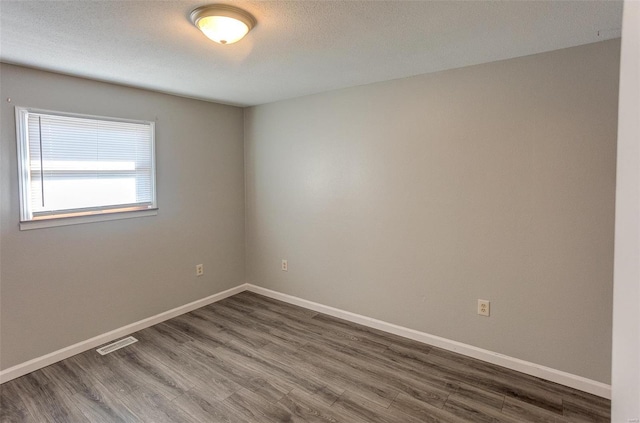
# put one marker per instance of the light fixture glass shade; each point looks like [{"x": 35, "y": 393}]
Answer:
[
  {"x": 222, "y": 23},
  {"x": 222, "y": 29}
]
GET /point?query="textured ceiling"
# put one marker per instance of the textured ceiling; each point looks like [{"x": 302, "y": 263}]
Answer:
[{"x": 297, "y": 48}]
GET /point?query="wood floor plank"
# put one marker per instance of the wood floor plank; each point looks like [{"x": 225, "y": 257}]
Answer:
[
  {"x": 473, "y": 411},
  {"x": 565, "y": 393},
  {"x": 313, "y": 329},
  {"x": 91, "y": 397},
  {"x": 103, "y": 368},
  {"x": 305, "y": 408},
  {"x": 380, "y": 375},
  {"x": 376, "y": 335},
  {"x": 479, "y": 395},
  {"x": 162, "y": 375},
  {"x": 510, "y": 386},
  {"x": 265, "y": 362},
  {"x": 69, "y": 377},
  {"x": 198, "y": 329},
  {"x": 394, "y": 363},
  {"x": 124, "y": 371},
  {"x": 233, "y": 371},
  {"x": 425, "y": 412},
  {"x": 357, "y": 408},
  {"x": 240, "y": 319},
  {"x": 12, "y": 407},
  {"x": 99, "y": 405},
  {"x": 197, "y": 373},
  {"x": 232, "y": 329},
  {"x": 252, "y": 359},
  {"x": 45, "y": 402},
  {"x": 254, "y": 407},
  {"x": 468, "y": 410},
  {"x": 206, "y": 409},
  {"x": 529, "y": 413},
  {"x": 341, "y": 375},
  {"x": 168, "y": 334},
  {"x": 278, "y": 306},
  {"x": 589, "y": 404},
  {"x": 308, "y": 368},
  {"x": 417, "y": 362},
  {"x": 488, "y": 378},
  {"x": 290, "y": 328},
  {"x": 152, "y": 406},
  {"x": 253, "y": 370},
  {"x": 276, "y": 312},
  {"x": 581, "y": 414}
]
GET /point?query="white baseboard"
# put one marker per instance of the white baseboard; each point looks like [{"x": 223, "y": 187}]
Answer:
[
  {"x": 567, "y": 379},
  {"x": 543, "y": 372},
  {"x": 48, "y": 359}
]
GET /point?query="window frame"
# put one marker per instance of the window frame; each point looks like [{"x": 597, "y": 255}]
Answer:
[{"x": 78, "y": 215}]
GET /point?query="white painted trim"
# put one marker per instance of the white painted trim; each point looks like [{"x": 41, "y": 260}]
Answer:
[
  {"x": 78, "y": 220},
  {"x": 547, "y": 373},
  {"x": 567, "y": 379},
  {"x": 48, "y": 359}
]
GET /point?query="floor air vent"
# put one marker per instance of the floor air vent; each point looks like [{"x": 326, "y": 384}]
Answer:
[{"x": 117, "y": 345}]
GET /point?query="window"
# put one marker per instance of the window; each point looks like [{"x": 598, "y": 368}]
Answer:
[{"x": 76, "y": 168}]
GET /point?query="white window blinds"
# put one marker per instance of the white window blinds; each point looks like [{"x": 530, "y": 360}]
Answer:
[{"x": 78, "y": 165}]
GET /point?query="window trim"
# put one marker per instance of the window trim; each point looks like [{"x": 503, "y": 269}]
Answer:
[{"x": 74, "y": 216}]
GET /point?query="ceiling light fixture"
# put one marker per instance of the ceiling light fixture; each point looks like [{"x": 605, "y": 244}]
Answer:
[{"x": 222, "y": 23}]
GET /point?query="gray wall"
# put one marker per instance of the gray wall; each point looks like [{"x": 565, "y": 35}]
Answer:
[
  {"x": 63, "y": 285},
  {"x": 408, "y": 200}
]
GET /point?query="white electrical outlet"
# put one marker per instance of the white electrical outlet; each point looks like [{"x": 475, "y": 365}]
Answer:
[
  {"x": 484, "y": 307},
  {"x": 285, "y": 265},
  {"x": 199, "y": 269}
]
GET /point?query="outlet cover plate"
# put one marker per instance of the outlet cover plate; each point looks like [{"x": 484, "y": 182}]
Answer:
[{"x": 484, "y": 308}]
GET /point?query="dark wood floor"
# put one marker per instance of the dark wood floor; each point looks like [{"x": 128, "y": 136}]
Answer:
[{"x": 253, "y": 359}]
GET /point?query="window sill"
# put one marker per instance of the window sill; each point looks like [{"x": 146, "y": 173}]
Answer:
[{"x": 77, "y": 220}]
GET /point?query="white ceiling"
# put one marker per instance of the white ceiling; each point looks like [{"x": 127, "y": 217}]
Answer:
[{"x": 297, "y": 48}]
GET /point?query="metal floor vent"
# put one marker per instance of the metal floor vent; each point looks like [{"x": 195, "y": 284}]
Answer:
[{"x": 117, "y": 345}]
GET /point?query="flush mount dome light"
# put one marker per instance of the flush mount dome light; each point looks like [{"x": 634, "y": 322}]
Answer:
[{"x": 222, "y": 23}]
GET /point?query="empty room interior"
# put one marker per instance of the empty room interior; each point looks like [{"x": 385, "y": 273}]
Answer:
[{"x": 337, "y": 211}]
